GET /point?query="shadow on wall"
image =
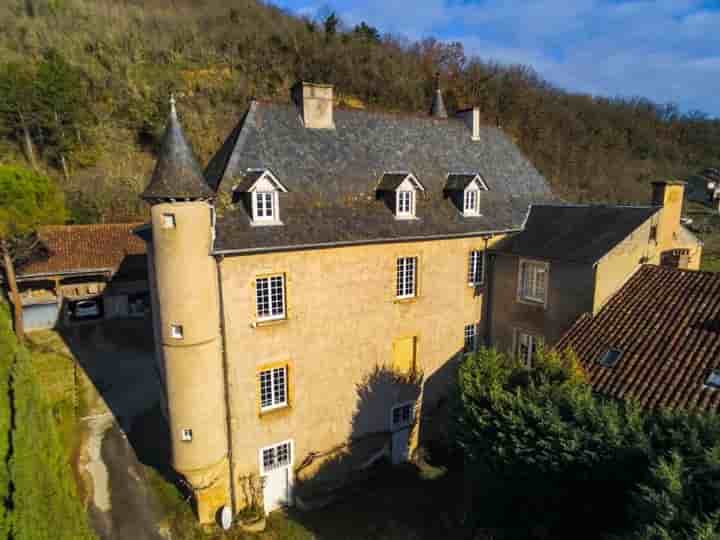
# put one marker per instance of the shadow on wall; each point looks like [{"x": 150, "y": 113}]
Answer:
[{"x": 375, "y": 429}]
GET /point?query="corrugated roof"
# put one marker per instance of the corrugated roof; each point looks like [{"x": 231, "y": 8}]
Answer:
[
  {"x": 332, "y": 176},
  {"x": 666, "y": 322},
  {"x": 575, "y": 233},
  {"x": 74, "y": 248}
]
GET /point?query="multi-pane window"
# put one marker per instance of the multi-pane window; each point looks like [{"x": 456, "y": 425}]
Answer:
[
  {"x": 406, "y": 277},
  {"x": 275, "y": 457},
  {"x": 176, "y": 331},
  {"x": 527, "y": 347},
  {"x": 270, "y": 297},
  {"x": 403, "y": 415},
  {"x": 533, "y": 281},
  {"x": 471, "y": 335},
  {"x": 405, "y": 203},
  {"x": 264, "y": 205},
  {"x": 472, "y": 201},
  {"x": 186, "y": 435},
  {"x": 476, "y": 269},
  {"x": 273, "y": 388}
]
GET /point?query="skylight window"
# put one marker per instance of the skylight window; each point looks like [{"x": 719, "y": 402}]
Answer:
[
  {"x": 610, "y": 358},
  {"x": 713, "y": 380}
]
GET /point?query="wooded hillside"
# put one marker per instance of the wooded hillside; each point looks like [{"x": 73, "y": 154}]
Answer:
[{"x": 84, "y": 87}]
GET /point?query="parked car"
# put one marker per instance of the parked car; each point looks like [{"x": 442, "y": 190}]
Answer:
[{"x": 87, "y": 309}]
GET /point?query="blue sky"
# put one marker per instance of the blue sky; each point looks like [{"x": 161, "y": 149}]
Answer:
[{"x": 666, "y": 50}]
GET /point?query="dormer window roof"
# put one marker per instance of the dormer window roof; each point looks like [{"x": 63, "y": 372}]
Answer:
[
  {"x": 399, "y": 188},
  {"x": 261, "y": 189},
  {"x": 464, "y": 190}
]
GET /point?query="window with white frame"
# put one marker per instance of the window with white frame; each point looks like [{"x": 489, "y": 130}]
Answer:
[
  {"x": 471, "y": 335},
  {"x": 527, "y": 346},
  {"x": 264, "y": 205},
  {"x": 471, "y": 205},
  {"x": 176, "y": 331},
  {"x": 402, "y": 415},
  {"x": 405, "y": 204},
  {"x": 270, "y": 297},
  {"x": 275, "y": 457},
  {"x": 533, "y": 281},
  {"x": 476, "y": 269},
  {"x": 406, "y": 277},
  {"x": 273, "y": 388},
  {"x": 168, "y": 221},
  {"x": 186, "y": 435}
]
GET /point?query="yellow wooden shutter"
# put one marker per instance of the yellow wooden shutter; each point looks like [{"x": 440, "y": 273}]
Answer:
[{"x": 404, "y": 354}]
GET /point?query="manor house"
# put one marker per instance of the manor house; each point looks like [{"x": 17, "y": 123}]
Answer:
[{"x": 315, "y": 287}]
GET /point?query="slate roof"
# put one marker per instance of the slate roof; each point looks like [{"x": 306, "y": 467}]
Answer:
[
  {"x": 666, "y": 322},
  {"x": 177, "y": 174},
  {"x": 391, "y": 181},
  {"x": 332, "y": 177},
  {"x": 459, "y": 181},
  {"x": 575, "y": 233},
  {"x": 77, "y": 248}
]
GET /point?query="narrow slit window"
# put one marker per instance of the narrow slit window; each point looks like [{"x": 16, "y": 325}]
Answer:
[{"x": 168, "y": 221}]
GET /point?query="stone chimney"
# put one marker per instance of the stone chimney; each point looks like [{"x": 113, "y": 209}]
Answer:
[
  {"x": 471, "y": 117},
  {"x": 669, "y": 195},
  {"x": 315, "y": 103},
  {"x": 437, "y": 109}
]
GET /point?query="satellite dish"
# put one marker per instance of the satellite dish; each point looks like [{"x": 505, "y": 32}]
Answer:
[{"x": 226, "y": 518}]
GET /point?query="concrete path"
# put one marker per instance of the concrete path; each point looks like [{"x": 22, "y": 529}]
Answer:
[{"x": 119, "y": 384}]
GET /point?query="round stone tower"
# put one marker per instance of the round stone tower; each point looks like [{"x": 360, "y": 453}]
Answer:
[{"x": 186, "y": 318}]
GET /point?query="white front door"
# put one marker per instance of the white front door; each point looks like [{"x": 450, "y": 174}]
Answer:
[
  {"x": 402, "y": 418},
  {"x": 276, "y": 472}
]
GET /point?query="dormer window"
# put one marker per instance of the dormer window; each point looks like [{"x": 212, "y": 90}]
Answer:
[
  {"x": 472, "y": 202},
  {"x": 260, "y": 190},
  {"x": 264, "y": 205},
  {"x": 465, "y": 189},
  {"x": 399, "y": 190},
  {"x": 405, "y": 204}
]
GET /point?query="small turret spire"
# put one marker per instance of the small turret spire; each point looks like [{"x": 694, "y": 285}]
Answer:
[
  {"x": 437, "y": 110},
  {"x": 178, "y": 174}
]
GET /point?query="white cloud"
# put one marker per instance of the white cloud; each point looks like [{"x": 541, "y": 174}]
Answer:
[{"x": 662, "y": 49}]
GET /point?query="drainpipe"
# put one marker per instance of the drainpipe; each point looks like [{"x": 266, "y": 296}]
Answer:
[
  {"x": 226, "y": 381},
  {"x": 486, "y": 309}
]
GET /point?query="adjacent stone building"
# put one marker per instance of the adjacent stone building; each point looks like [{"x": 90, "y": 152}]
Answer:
[{"x": 570, "y": 259}]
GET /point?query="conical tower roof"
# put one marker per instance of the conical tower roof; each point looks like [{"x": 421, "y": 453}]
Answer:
[
  {"x": 437, "y": 109},
  {"x": 178, "y": 174}
]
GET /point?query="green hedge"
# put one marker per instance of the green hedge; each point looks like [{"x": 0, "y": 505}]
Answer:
[{"x": 43, "y": 502}]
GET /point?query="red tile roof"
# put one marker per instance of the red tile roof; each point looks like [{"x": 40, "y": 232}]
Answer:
[
  {"x": 75, "y": 248},
  {"x": 666, "y": 322}
]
